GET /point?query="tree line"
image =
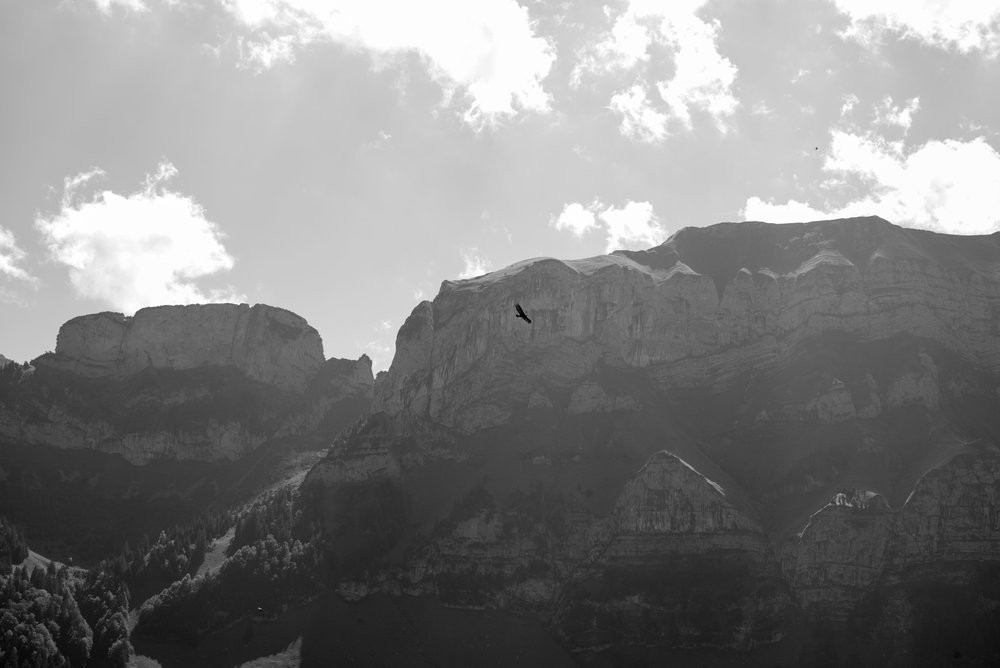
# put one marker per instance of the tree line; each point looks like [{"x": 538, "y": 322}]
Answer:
[
  {"x": 276, "y": 559},
  {"x": 55, "y": 617}
]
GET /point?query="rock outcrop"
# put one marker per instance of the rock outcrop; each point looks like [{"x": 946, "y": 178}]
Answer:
[
  {"x": 708, "y": 306},
  {"x": 201, "y": 382},
  {"x": 268, "y": 344}
]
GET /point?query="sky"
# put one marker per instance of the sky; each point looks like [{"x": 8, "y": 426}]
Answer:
[{"x": 342, "y": 158}]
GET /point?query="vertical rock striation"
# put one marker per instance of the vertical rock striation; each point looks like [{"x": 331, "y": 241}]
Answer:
[
  {"x": 704, "y": 308},
  {"x": 268, "y": 344},
  {"x": 201, "y": 382}
]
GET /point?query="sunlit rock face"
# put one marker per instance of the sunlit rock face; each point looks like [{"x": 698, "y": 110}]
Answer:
[
  {"x": 201, "y": 382},
  {"x": 707, "y": 306},
  {"x": 668, "y": 499},
  {"x": 268, "y": 344},
  {"x": 840, "y": 554},
  {"x": 766, "y": 442}
]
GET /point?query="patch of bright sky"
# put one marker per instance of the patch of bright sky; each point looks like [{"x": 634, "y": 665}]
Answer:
[{"x": 328, "y": 156}]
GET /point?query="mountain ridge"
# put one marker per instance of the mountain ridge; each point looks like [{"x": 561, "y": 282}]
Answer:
[{"x": 839, "y": 391}]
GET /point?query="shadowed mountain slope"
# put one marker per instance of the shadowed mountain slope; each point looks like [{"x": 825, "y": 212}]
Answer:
[{"x": 757, "y": 441}]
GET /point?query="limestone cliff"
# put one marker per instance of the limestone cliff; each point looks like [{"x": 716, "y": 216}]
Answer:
[
  {"x": 268, "y": 344},
  {"x": 704, "y": 308},
  {"x": 766, "y": 442},
  {"x": 201, "y": 382}
]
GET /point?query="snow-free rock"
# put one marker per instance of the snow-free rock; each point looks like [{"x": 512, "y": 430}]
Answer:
[{"x": 268, "y": 344}]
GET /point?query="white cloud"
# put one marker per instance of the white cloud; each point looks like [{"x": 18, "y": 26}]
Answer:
[
  {"x": 640, "y": 121},
  {"x": 702, "y": 80},
  {"x": 632, "y": 227},
  {"x": 133, "y": 5},
  {"x": 962, "y": 25},
  {"x": 792, "y": 211},
  {"x": 11, "y": 256},
  {"x": 850, "y": 101},
  {"x": 947, "y": 186},
  {"x": 625, "y": 47},
  {"x": 136, "y": 250},
  {"x": 475, "y": 265},
  {"x": 892, "y": 115},
  {"x": 488, "y": 48},
  {"x": 575, "y": 218}
]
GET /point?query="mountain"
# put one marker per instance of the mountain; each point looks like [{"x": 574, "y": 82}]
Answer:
[
  {"x": 135, "y": 424},
  {"x": 266, "y": 344},
  {"x": 202, "y": 382},
  {"x": 776, "y": 444}
]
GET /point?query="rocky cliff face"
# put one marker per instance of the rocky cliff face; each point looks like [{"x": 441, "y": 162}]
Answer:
[
  {"x": 201, "y": 382},
  {"x": 268, "y": 344},
  {"x": 701, "y": 310},
  {"x": 755, "y": 441}
]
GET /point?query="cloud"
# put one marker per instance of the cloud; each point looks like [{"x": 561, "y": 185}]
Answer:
[
  {"x": 640, "y": 121},
  {"x": 946, "y": 186},
  {"x": 632, "y": 227},
  {"x": 792, "y": 211},
  {"x": 575, "y": 218},
  {"x": 132, "y": 5},
  {"x": 960, "y": 25},
  {"x": 850, "y": 101},
  {"x": 702, "y": 80},
  {"x": 488, "y": 48},
  {"x": 475, "y": 265},
  {"x": 11, "y": 256},
  {"x": 141, "y": 249},
  {"x": 891, "y": 115},
  {"x": 625, "y": 47}
]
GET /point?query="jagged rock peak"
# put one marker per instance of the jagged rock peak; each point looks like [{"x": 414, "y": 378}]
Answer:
[{"x": 268, "y": 344}]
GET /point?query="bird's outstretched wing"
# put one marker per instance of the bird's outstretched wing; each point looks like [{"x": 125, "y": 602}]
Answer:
[{"x": 521, "y": 314}]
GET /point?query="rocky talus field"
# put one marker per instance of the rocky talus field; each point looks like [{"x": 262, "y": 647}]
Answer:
[{"x": 754, "y": 444}]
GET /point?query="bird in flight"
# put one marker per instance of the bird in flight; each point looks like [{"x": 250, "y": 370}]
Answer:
[{"x": 520, "y": 313}]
